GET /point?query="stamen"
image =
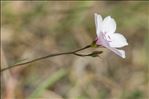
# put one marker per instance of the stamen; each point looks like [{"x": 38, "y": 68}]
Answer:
[
  {"x": 104, "y": 36},
  {"x": 109, "y": 37}
]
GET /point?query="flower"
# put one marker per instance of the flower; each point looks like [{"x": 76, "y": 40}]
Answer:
[{"x": 106, "y": 36}]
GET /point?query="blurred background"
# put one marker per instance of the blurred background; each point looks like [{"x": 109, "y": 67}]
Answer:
[{"x": 30, "y": 29}]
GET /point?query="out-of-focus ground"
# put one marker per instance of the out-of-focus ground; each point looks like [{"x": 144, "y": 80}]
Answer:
[{"x": 33, "y": 29}]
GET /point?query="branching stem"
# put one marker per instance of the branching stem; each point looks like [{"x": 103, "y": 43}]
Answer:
[{"x": 45, "y": 57}]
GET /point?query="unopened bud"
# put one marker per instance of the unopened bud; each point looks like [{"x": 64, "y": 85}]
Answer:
[{"x": 96, "y": 53}]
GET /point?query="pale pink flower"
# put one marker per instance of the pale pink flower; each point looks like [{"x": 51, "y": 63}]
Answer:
[{"x": 106, "y": 36}]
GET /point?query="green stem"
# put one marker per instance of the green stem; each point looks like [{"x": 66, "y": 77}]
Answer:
[{"x": 44, "y": 57}]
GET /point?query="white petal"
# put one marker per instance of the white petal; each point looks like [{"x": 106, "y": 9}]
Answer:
[
  {"x": 120, "y": 53},
  {"x": 117, "y": 40},
  {"x": 109, "y": 25},
  {"x": 98, "y": 23}
]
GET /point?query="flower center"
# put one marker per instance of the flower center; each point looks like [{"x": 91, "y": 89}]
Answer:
[{"x": 107, "y": 38}]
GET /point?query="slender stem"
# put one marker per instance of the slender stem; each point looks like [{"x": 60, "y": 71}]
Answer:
[
  {"x": 44, "y": 57},
  {"x": 82, "y": 55}
]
